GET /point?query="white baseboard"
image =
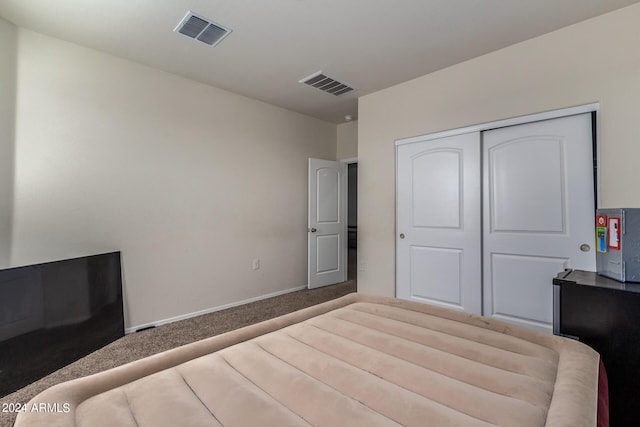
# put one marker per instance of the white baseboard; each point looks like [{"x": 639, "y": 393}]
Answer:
[{"x": 210, "y": 310}]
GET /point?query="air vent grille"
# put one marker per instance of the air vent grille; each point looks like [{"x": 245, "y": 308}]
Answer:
[
  {"x": 202, "y": 29},
  {"x": 321, "y": 81}
]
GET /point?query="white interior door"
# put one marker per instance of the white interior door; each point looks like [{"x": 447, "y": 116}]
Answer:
[
  {"x": 538, "y": 214},
  {"x": 327, "y": 223},
  {"x": 438, "y": 242}
]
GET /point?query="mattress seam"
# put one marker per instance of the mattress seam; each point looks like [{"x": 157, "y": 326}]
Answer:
[
  {"x": 427, "y": 369},
  {"x": 377, "y": 376},
  {"x": 351, "y": 307},
  {"x": 224, "y": 359},
  {"x": 327, "y": 385},
  {"x": 133, "y": 415},
  {"x": 435, "y": 348},
  {"x": 177, "y": 369}
]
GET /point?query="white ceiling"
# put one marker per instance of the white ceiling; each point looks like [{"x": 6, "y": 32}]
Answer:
[{"x": 368, "y": 44}]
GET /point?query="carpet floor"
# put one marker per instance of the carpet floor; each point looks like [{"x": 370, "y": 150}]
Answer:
[{"x": 151, "y": 341}]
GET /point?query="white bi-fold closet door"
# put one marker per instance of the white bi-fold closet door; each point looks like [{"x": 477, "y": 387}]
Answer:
[{"x": 486, "y": 219}]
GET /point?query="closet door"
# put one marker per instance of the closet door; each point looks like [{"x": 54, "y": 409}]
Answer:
[
  {"x": 538, "y": 214},
  {"x": 438, "y": 222}
]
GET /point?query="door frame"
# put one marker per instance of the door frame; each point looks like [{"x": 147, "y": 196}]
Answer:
[{"x": 593, "y": 108}]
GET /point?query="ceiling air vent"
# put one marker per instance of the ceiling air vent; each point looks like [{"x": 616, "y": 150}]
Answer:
[
  {"x": 203, "y": 29},
  {"x": 321, "y": 81}
]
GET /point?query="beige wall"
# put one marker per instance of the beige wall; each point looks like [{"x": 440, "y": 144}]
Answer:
[
  {"x": 347, "y": 144},
  {"x": 593, "y": 61},
  {"x": 190, "y": 182},
  {"x": 8, "y": 35}
]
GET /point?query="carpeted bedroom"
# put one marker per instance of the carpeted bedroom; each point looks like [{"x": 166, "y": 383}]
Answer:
[
  {"x": 142, "y": 344},
  {"x": 328, "y": 213}
]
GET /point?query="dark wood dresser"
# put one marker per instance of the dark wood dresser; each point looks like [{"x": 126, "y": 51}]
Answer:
[{"x": 605, "y": 314}]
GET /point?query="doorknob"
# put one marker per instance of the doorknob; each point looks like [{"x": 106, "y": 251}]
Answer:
[
  {"x": 585, "y": 248},
  {"x": 402, "y": 235},
  {"x": 313, "y": 230}
]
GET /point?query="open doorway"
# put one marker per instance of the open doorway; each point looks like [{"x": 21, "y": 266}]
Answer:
[{"x": 352, "y": 221}]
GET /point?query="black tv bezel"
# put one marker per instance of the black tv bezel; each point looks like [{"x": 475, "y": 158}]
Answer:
[{"x": 27, "y": 357}]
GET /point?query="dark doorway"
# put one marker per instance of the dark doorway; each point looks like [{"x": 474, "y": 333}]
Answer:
[{"x": 352, "y": 222}]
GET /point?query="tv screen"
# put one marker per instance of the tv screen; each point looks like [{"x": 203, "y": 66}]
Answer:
[{"x": 54, "y": 313}]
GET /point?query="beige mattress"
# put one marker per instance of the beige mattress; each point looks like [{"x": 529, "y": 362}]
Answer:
[{"x": 358, "y": 360}]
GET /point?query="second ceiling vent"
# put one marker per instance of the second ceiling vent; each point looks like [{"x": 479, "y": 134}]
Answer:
[
  {"x": 202, "y": 29},
  {"x": 321, "y": 81}
]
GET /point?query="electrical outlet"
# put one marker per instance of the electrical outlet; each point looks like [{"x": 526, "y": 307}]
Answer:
[
  {"x": 361, "y": 266},
  {"x": 256, "y": 264}
]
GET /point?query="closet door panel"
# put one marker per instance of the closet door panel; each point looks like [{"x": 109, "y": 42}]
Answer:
[
  {"x": 438, "y": 222},
  {"x": 519, "y": 184},
  {"x": 538, "y": 214},
  {"x": 436, "y": 199},
  {"x": 512, "y": 298}
]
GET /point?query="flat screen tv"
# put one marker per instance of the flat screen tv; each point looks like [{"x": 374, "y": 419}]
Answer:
[{"x": 54, "y": 313}]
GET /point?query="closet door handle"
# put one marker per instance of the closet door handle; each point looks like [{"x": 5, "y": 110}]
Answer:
[{"x": 402, "y": 235}]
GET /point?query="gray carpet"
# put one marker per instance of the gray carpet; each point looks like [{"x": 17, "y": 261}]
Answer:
[{"x": 141, "y": 344}]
